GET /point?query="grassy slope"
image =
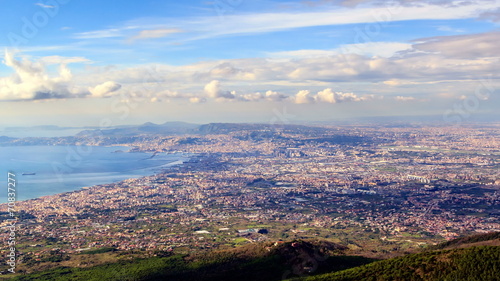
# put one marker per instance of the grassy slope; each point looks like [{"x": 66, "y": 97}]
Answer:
[
  {"x": 266, "y": 261},
  {"x": 251, "y": 262},
  {"x": 474, "y": 257},
  {"x": 487, "y": 239},
  {"x": 475, "y": 263}
]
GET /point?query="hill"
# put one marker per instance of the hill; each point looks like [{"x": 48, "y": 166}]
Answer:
[
  {"x": 474, "y": 263},
  {"x": 308, "y": 260},
  {"x": 475, "y": 257},
  {"x": 486, "y": 239},
  {"x": 263, "y": 261},
  {"x": 168, "y": 128}
]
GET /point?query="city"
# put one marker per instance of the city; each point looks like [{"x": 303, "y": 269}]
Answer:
[{"x": 397, "y": 187}]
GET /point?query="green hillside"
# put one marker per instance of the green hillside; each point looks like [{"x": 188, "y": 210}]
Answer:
[
  {"x": 266, "y": 261},
  {"x": 308, "y": 260},
  {"x": 486, "y": 239},
  {"x": 475, "y": 263}
]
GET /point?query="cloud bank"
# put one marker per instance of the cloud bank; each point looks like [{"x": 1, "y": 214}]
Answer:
[
  {"x": 422, "y": 69},
  {"x": 32, "y": 81},
  {"x": 328, "y": 96}
]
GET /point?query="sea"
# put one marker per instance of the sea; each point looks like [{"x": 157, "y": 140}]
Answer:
[{"x": 48, "y": 170}]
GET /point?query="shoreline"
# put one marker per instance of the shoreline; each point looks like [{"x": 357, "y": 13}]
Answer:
[{"x": 154, "y": 170}]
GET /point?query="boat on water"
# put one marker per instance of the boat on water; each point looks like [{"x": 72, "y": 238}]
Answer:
[{"x": 28, "y": 174}]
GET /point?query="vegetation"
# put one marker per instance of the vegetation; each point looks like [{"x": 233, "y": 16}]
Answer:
[
  {"x": 467, "y": 240},
  {"x": 308, "y": 260},
  {"x": 475, "y": 263},
  {"x": 99, "y": 251},
  {"x": 266, "y": 261},
  {"x": 145, "y": 269}
]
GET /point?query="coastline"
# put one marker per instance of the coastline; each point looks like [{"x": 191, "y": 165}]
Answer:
[{"x": 103, "y": 178}]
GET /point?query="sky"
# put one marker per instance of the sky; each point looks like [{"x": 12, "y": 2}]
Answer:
[{"x": 103, "y": 63}]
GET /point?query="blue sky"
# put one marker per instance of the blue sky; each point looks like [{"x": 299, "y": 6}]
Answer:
[{"x": 77, "y": 63}]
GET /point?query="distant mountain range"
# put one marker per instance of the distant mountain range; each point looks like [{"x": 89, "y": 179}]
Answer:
[
  {"x": 181, "y": 128},
  {"x": 168, "y": 128},
  {"x": 242, "y": 131}
]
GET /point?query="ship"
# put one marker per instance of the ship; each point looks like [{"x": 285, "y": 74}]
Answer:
[{"x": 28, "y": 174}]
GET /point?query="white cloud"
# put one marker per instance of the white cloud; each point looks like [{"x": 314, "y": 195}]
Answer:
[
  {"x": 45, "y": 5},
  {"x": 407, "y": 70},
  {"x": 32, "y": 81},
  {"x": 252, "y": 97},
  {"x": 105, "y": 89},
  {"x": 450, "y": 29},
  {"x": 197, "y": 100},
  {"x": 384, "y": 3},
  {"x": 492, "y": 15},
  {"x": 401, "y": 98},
  {"x": 100, "y": 34},
  {"x": 267, "y": 96},
  {"x": 63, "y": 60},
  {"x": 328, "y": 96},
  {"x": 381, "y": 49},
  {"x": 154, "y": 33},
  {"x": 275, "y": 96},
  {"x": 463, "y": 46},
  {"x": 398, "y": 82},
  {"x": 304, "y": 96},
  {"x": 228, "y": 70},
  {"x": 438, "y": 62},
  {"x": 214, "y": 91},
  {"x": 250, "y": 23},
  {"x": 270, "y": 22},
  {"x": 425, "y": 63}
]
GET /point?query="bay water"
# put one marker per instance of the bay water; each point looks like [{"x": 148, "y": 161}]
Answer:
[{"x": 48, "y": 170}]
